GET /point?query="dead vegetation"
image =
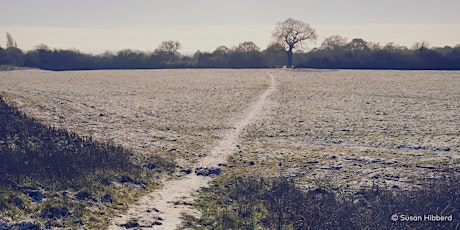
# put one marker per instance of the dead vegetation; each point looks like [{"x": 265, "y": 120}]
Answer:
[
  {"x": 342, "y": 131},
  {"x": 57, "y": 178}
]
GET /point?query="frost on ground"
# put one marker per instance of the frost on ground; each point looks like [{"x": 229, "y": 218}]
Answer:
[
  {"x": 210, "y": 106},
  {"x": 176, "y": 113},
  {"x": 358, "y": 128},
  {"x": 349, "y": 128},
  {"x": 176, "y": 196}
]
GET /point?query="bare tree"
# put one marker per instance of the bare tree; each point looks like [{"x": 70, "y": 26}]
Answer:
[
  {"x": 358, "y": 44},
  {"x": 10, "y": 41},
  {"x": 420, "y": 45},
  {"x": 247, "y": 47},
  {"x": 222, "y": 50},
  {"x": 291, "y": 34},
  {"x": 170, "y": 48},
  {"x": 334, "y": 42}
]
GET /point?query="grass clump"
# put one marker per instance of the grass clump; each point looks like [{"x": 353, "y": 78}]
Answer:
[
  {"x": 258, "y": 203},
  {"x": 61, "y": 179}
]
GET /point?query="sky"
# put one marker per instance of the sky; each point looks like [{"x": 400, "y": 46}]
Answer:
[{"x": 96, "y": 26}]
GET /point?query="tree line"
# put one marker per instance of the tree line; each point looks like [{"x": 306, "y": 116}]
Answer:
[
  {"x": 286, "y": 50},
  {"x": 336, "y": 53}
]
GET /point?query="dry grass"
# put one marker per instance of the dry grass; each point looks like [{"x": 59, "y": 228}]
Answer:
[{"x": 350, "y": 129}]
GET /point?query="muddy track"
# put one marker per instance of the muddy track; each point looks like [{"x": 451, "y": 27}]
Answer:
[{"x": 162, "y": 209}]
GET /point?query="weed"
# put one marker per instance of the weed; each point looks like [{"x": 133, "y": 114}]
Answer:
[
  {"x": 258, "y": 203},
  {"x": 48, "y": 166}
]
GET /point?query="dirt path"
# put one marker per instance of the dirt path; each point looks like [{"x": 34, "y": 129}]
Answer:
[{"x": 160, "y": 209}]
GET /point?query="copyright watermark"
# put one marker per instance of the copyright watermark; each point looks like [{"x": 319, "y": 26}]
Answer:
[{"x": 420, "y": 218}]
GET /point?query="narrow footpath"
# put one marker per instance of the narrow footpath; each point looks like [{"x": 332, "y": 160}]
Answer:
[{"x": 160, "y": 209}]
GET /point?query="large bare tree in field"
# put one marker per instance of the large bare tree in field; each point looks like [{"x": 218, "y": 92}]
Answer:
[{"x": 291, "y": 34}]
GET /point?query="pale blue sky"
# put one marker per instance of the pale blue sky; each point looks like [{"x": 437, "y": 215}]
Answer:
[{"x": 99, "y": 25}]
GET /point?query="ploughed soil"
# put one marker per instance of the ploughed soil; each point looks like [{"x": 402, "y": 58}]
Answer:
[{"x": 352, "y": 128}]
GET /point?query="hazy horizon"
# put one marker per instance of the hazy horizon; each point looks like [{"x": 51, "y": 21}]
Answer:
[{"x": 95, "y": 26}]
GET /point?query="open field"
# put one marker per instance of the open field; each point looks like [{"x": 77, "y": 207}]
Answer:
[
  {"x": 359, "y": 127},
  {"x": 349, "y": 129},
  {"x": 175, "y": 113}
]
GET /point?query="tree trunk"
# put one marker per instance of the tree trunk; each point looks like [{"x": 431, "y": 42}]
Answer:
[{"x": 289, "y": 56}]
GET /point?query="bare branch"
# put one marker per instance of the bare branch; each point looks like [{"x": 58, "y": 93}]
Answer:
[{"x": 291, "y": 34}]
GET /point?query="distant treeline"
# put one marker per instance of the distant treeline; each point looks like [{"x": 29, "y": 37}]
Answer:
[{"x": 357, "y": 54}]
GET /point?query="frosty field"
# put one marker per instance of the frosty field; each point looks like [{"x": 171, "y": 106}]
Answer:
[
  {"x": 174, "y": 113},
  {"x": 350, "y": 128},
  {"x": 360, "y": 127},
  {"x": 354, "y": 125}
]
